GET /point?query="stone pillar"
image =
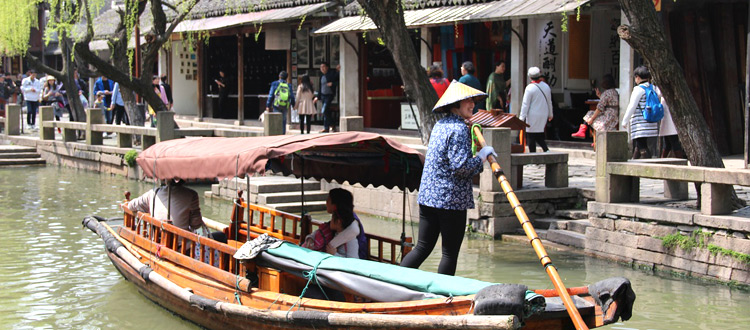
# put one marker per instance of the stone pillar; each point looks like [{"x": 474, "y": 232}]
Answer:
[
  {"x": 272, "y": 124},
  {"x": 627, "y": 58},
  {"x": 46, "y": 113},
  {"x": 124, "y": 140},
  {"x": 349, "y": 75},
  {"x": 517, "y": 69},
  {"x": 716, "y": 199},
  {"x": 351, "y": 123},
  {"x": 69, "y": 135},
  {"x": 94, "y": 116},
  {"x": 13, "y": 119},
  {"x": 498, "y": 138},
  {"x": 165, "y": 126},
  {"x": 613, "y": 147},
  {"x": 425, "y": 56}
]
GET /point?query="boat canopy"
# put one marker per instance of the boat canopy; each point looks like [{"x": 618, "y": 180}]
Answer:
[{"x": 354, "y": 157}]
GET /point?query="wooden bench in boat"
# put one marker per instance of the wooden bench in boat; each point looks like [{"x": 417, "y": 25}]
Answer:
[
  {"x": 169, "y": 242},
  {"x": 291, "y": 228}
]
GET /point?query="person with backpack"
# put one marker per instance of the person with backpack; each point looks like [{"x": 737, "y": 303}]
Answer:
[
  {"x": 280, "y": 97},
  {"x": 643, "y": 113}
]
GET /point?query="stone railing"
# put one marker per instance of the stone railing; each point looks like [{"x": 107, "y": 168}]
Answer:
[
  {"x": 714, "y": 244},
  {"x": 94, "y": 128}
]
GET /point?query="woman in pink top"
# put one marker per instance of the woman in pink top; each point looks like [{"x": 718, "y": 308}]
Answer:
[{"x": 159, "y": 89}]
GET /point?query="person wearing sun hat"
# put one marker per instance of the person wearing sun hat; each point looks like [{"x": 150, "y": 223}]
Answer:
[{"x": 445, "y": 192}]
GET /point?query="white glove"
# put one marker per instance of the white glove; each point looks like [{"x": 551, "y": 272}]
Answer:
[{"x": 486, "y": 151}]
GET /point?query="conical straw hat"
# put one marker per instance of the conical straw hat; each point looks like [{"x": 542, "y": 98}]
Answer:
[{"x": 458, "y": 92}]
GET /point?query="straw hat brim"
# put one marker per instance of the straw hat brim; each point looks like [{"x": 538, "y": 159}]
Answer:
[{"x": 458, "y": 92}]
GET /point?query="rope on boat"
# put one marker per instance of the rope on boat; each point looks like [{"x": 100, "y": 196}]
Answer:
[
  {"x": 310, "y": 276},
  {"x": 237, "y": 291}
]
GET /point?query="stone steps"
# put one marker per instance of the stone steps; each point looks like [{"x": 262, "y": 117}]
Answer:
[
  {"x": 278, "y": 192},
  {"x": 296, "y": 207},
  {"x": 13, "y": 149},
  {"x": 22, "y": 161},
  {"x": 19, "y": 156},
  {"x": 291, "y": 197},
  {"x": 572, "y": 214},
  {"x": 566, "y": 237}
]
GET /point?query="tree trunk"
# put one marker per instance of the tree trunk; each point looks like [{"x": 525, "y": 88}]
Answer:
[
  {"x": 646, "y": 35},
  {"x": 388, "y": 16}
]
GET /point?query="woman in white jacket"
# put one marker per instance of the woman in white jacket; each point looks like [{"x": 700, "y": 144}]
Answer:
[{"x": 536, "y": 109}]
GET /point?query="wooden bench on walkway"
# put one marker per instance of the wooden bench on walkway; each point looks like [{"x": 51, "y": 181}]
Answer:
[{"x": 617, "y": 179}]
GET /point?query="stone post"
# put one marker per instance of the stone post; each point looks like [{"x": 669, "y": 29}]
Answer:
[
  {"x": 716, "y": 199},
  {"x": 349, "y": 76},
  {"x": 13, "y": 119},
  {"x": 46, "y": 113},
  {"x": 272, "y": 124},
  {"x": 498, "y": 138},
  {"x": 351, "y": 123},
  {"x": 165, "y": 126},
  {"x": 613, "y": 147},
  {"x": 94, "y": 116}
]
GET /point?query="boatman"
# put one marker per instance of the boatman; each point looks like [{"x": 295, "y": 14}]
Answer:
[{"x": 185, "y": 206}]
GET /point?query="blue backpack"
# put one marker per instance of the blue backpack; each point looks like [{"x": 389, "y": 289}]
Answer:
[{"x": 654, "y": 111}]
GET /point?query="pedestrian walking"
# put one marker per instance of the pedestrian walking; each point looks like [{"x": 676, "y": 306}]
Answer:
[
  {"x": 497, "y": 88},
  {"x": 536, "y": 109},
  {"x": 305, "y": 104},
  {"x": 328, "y": 87},
  {"x": 633, "y": 120},
  {"x": 445, "y": 192},
  {"x": 168, "y": 90},
  {"x": 32, "y": 90},
  {"x": 280, "y": 98},
  {"x": 104, "y": 86},
  {"x": 118, "y": 106},
  {"x": 161, "y": 93}
]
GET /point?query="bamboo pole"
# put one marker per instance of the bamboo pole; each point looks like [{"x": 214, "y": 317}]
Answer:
[{"x": 536, "y": 242}]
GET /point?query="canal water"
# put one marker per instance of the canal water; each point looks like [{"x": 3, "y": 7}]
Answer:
[{"x": 54, "y": 273}]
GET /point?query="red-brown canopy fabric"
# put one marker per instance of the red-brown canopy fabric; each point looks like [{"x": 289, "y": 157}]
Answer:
[{"x": 356, "y": 157}]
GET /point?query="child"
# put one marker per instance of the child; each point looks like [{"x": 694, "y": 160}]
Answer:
[{"x": 343, "y": 235}]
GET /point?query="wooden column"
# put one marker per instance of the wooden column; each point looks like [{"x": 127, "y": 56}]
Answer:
[
  {"x": 202, "y": 79},
  {"x": 240, "y": 78}
]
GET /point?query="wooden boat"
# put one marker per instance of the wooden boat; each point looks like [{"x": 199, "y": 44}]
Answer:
[{"x": 200, "y": 279}]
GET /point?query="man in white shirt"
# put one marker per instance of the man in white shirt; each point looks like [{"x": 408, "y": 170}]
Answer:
[
  {"x": 536, "y": 109},
  {"x": 31, "y": 88},
  {"x": 185, "y": 210}
]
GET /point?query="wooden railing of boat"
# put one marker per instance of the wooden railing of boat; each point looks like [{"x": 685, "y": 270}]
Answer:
[{"x": 293, "y": 228}]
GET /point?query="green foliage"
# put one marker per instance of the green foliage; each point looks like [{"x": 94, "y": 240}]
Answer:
[
  {"x": 130, "y": 157},
  {"x": 381, "y": 42},
  {"x": 699, "y": 239},
  {"x": 741, "y": 257},
  {"x": 17, "y": 17}
]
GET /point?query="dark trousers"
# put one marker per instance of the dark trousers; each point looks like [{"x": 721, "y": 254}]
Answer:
[
  {"x": 31, "y": 108},
  {"x": 433, "y": 222},
  {"x": 305, "y": 119},
  {"x": 120, "y": 115},
  {"x": 326, "y": 110},
  {"x": 283, "y": 118},
  {"x": 532, "y": 139}
]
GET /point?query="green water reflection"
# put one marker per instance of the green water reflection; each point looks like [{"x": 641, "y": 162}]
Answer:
[{"x": 54, "y": 274}]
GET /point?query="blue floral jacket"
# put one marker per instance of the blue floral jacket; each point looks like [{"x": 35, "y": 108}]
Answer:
[{"x": 449, "y": 167}]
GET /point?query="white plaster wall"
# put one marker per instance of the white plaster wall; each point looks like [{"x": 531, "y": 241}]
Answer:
[
  {"x": 184, "y": 92},
  {"x": 604, "y": 53},
  {"x": 349, "y": 76}
]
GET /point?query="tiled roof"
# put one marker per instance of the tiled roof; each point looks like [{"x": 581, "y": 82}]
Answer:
[
  {"x": 354, "y": 8},
  {"x": 211, "y": 8}
]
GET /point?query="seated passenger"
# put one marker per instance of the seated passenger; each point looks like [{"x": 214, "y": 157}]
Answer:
[
  {"x": 185, "y": 205},
  {"x": 342, "y": 236}
]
